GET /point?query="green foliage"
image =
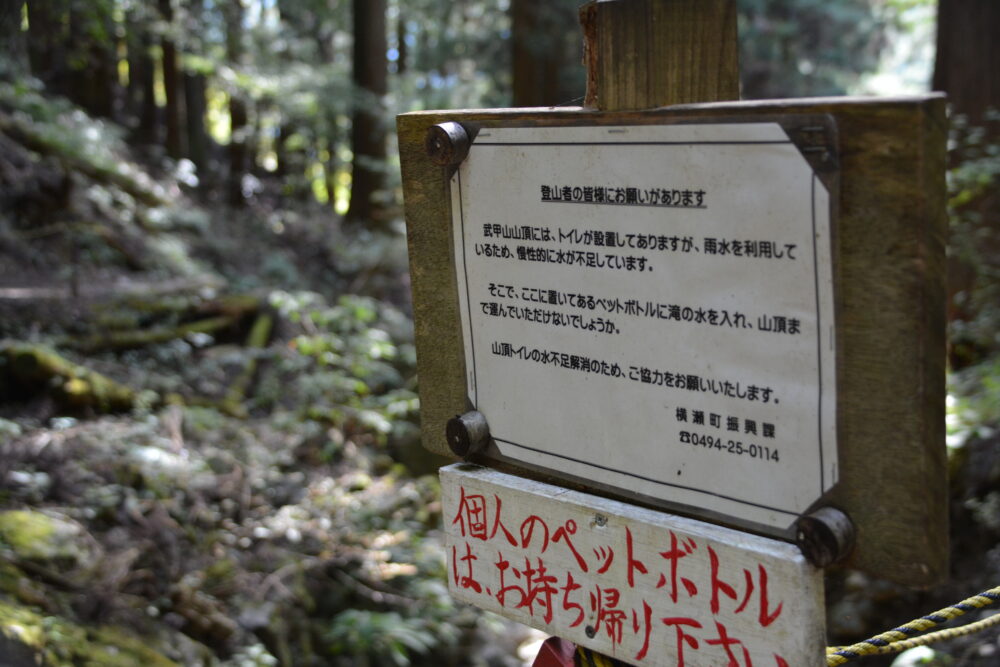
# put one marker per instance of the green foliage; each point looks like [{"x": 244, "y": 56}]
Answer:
[
  {"x": 800, "y": 48},
  {"x": 353, "y": 359},
  {"x": 378, "y": 638},
  {"x": 974, "y": 241}
]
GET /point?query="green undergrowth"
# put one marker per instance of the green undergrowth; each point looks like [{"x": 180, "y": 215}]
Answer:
[{"x": 262, "y": 498}]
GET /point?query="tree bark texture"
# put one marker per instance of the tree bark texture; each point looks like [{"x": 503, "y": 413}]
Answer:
[
  {"x": 141, "y": 77},
  {"x": 545, "y": 53},
  {"x": 968, "y": 55},
  {"x": 237, "y": 106},
  {"x": 195, "y": 103},
  {"x": 12, "y": 43},
  {"x": 368, "y": 129},
  {"x": 174, "y": 110}
]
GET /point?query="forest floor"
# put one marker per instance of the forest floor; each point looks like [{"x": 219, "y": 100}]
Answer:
[
  {"x": 209, "y": 446},
  {"x": 209, "y": 451}
]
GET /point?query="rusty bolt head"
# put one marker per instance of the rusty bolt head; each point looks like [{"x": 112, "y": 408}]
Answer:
[
  {"x": 825, "y": 537},
  {"x": 447, "y": 143},
  {"x": 467, "y": 434}
]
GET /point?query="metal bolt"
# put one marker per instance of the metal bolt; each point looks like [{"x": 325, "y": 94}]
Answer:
[
  {"x": 591, "y": 632},
  {"x": 468, "y": 433},
  {"x": 825, "y": 537},
  {"x": 600, "y": 520},
  {"x": 447, "y": 143}
]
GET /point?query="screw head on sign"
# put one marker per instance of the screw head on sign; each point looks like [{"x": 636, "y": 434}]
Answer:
[
  {"x": 825, "y": 537},
  {"x": 447, "y": 143},
  {"x": 467, "y": 434}
]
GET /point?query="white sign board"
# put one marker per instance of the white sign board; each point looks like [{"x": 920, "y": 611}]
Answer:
[
  {"x": 651, "y": 308},
  {"x": 633, "y": 584}
]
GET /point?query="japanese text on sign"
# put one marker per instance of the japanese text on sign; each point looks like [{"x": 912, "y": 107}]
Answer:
[
  {"x": 640, "y": 586},
  {"x": 651, "y": 309}
]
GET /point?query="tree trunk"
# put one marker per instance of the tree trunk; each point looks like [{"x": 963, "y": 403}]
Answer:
[
  {"x": 402, "y": 48},
  {"x": 968, "y": 55},
  {"x": 174, "y": 110},
  {"x": 141, "y": 77},
  {"x": 966, "y": 66},
  {"x": 103, "y": 42},
  {"x": 40, "y": 26},
  {"x": 545, "y": 51},
  {"x": 195, "y": 102},
  {"x": 368, "y": 128},
  {"x": 12, "y": 44},
  {"x": 237, "y": 106},
  {"x": 195, "y": 99}
]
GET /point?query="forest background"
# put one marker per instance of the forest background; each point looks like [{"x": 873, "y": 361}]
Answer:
[{"x": 209, "y": 450}]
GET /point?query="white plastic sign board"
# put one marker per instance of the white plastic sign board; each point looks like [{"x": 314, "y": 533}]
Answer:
[
  {"x": 634, "y": 584},
  {"x": 651, "y": 308}
]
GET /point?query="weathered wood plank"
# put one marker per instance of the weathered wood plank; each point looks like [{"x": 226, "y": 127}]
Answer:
[
  {"x": 642, "y": 54},
  {"x": 641, "y": 586},
  {"x": 890, "y": 299}
]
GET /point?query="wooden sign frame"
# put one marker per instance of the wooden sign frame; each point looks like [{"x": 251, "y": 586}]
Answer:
[{"x": 890, "y": 300}]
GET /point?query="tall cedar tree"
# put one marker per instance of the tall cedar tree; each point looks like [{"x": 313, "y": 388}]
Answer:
[
  {"x": 141, "y": 75},
  {"x": 12, "y": 43},
  {"x": 545, "y": 50},
  {"x": 195, "y": 97},
  {"x": 237, "y": 105},
  {"x": 368, "y": 129},
  {"x": 174, "y": 110},
  {"x": 966, "y": 67}
]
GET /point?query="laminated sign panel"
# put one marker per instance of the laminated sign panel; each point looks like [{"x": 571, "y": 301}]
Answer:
[{"x": 652, "y": 309}]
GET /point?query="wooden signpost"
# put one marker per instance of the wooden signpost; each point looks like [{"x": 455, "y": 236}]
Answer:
[
  {"x": 637, "y": 585},
  {"x": 667, "y": 301}
]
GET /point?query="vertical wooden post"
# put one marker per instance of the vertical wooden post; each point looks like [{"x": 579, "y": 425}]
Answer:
[{"x": 642, "y": 54}]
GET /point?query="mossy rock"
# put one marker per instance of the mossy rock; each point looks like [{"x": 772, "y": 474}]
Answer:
[
  {"x": 47, "y": 537},
  {"x": 30, "y": 639}
]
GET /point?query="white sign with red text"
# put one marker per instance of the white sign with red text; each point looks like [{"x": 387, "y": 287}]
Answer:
[
  {"x": 634, "y": 584},
  {"x": 650, "y": 308}
]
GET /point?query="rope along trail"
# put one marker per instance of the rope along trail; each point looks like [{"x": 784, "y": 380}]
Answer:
[
  {"x": 894, "y": 641},
  {"x": 905, "y": 636}
]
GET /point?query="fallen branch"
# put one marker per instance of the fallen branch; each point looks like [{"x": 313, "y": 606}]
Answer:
[
  {"x": 37, "y": 368},
  {"x": 124, "y": 340},
  {"x": 257, "y": 339}
]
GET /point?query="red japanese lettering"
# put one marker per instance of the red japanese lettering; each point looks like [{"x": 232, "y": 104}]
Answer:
[
  {"x": 604, "y": 604},
  {"x": 682, "y": 637},
  {"x": 764, "y": 617},
  {"x": 607, "y": 555},
  {"x": 567, "y": 605},
  {"x": 539, "y": 589},
  {"x": 498, "y": 524},
  {"x": 528, "y": 530},
  {"x": 726, "y": 642},
  {"x": 562, "y": 534},
  {"x": 471, "y": 515},
  {"x": 503, "y": 565},
  {"x": 467, "y": 580},
  {"x": 633, "y": 563},
  {"x": 677, "y": 551},
  {"x": 718, "y": 585},
  {"x": 647, "y": 614}
]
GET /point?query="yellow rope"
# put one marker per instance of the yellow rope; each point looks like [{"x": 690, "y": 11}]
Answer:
[
  {"x": 942, "y": 635},
  {"x": 887, "y": 642}
]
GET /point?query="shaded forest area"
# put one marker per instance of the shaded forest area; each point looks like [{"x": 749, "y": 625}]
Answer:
[{"x": 209, "y": 448}]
